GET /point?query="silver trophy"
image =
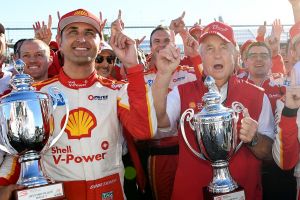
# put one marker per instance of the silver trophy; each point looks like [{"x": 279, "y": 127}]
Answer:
[
  {"x": 27, "y": 126},
  {"x": 216, "y": 134}
]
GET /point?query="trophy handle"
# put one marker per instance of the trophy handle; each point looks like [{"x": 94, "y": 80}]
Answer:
[
  {"x": 3, "y": 148},
  {"x": 4, "y": 144},
  {"x": 237, "y": 108},
  {"x": 190, "y": 113},
  {"x": 57, "y": 96}
]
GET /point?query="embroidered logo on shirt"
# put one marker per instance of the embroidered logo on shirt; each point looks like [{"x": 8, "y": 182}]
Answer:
[
  {"x": 117, "y": 86},
  {"x": 108, "y": 195},
  {"x": 95, "y": 97},
  {"x": 178, "y": 79},
  {"x": 80, "y": 124},
  {"x": 57, "y": 96},
  {"x": 192, "y": 105},
  {"x": 150, "y": 82},
  {"x": 77, "y": 84},
  {"x": 65, "y": 154}
]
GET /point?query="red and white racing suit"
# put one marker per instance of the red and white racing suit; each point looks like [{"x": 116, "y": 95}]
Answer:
[
  {"x": 163, "y": 149},
  {"x": 286, "y": 146},
  {"x": 273, "y": 87},
  {"x": 88, "y": 156}
]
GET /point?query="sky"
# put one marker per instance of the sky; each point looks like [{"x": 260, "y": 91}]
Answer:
[{"x": 22, "y": 14}]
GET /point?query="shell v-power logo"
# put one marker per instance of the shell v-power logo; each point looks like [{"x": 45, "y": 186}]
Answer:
[{"x": 80, "y": 124}]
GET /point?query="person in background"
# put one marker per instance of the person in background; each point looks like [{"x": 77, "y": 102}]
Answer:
[
  {"x": 277, "y": 184},
  {"x": 163, "y": 158},
  {"x": 53, "y": 46},
  {"x": 278, "y": 68},
  {"x": 286, "y": 149},
  {"x": 43, "y": 32},
  {"x": 258, "y": 62},
  {"x": 36, "y": 55},
  {"x": 196, "y": 30},
  {"x": 105, "y": 61}
]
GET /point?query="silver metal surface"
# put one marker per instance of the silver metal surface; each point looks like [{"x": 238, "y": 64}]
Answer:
[
  {"x": 26, "y": 118},
  {"x": 216, "y": 135}
]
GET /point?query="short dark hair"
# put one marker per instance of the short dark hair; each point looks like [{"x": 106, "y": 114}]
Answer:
[
  {"x": 2, "y": 29},
  {"x": 17, "y": 46},
  {"x": 259, "y": 44},
  {"x": 158, "y": 28},
  {"x": 47, "y": 48}
]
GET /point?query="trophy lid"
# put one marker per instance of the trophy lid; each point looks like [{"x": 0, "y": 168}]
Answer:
[
  {"x": 213, "y": 108},
  {"x": 21, "y": 81},
  {"x": 212, "y": 97},
  {"x": 21, "y": 86}
]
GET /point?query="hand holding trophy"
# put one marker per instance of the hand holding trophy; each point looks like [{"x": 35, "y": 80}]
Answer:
[
  {"x": 216, "y": 135},
  {"x": 26, "y": 130}
]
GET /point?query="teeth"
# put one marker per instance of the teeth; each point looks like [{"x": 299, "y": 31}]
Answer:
[
  {"x": 105, "y": 70},
  {"x": 33, "y": 67},
  {"x": 81, "y": 49}
]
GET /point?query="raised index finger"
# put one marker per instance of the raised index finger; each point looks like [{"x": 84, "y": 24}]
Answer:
[
  {"x": 172, "y": 37},
  {"x": 120, "y": 14},
  {"x": 49, "y": 22},
  {"x": 142, "y": 39},
  {"x": 100, "y": 16},
  {"x": 182, "y": 15},
  {"x": 58, "y": 15}
]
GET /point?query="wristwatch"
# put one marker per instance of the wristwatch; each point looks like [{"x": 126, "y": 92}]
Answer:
[{"x": 254, "y": 141}]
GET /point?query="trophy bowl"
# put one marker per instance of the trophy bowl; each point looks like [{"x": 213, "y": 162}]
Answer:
[
  {"x": 27, "y": 125},
  {"x": 216, "y": 135}
]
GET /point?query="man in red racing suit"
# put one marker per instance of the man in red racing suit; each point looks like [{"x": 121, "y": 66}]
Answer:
[{"x": 88, "y": 156}]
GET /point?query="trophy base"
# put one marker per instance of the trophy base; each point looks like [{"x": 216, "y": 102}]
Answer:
[
  {"x": 50, "y": 191},
  {"x": 237, "y": 194}
]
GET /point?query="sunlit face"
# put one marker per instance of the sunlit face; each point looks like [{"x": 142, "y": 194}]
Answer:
[
  {"x": 218, "y": 57},
  {"x": 258, "y": 61},
  {"x": 104, "y": 63},
  {"x": 37, "y": 59},
  {"x": 79, "y": 43},
  {"x": 159, "y": 40}
]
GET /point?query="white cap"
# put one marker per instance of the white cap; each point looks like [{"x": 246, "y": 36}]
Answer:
[{"x": 104, "y": 46}]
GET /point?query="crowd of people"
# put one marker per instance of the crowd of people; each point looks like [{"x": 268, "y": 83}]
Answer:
[{"x": 135, "y": 123}]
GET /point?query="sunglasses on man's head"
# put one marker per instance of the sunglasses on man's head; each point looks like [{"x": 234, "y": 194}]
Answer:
[{"x": 109, "y": 59}]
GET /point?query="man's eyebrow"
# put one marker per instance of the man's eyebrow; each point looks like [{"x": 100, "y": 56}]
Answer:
[
  {"x": 72, "y": 28},
  {"x": 38, "y": 51}
]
